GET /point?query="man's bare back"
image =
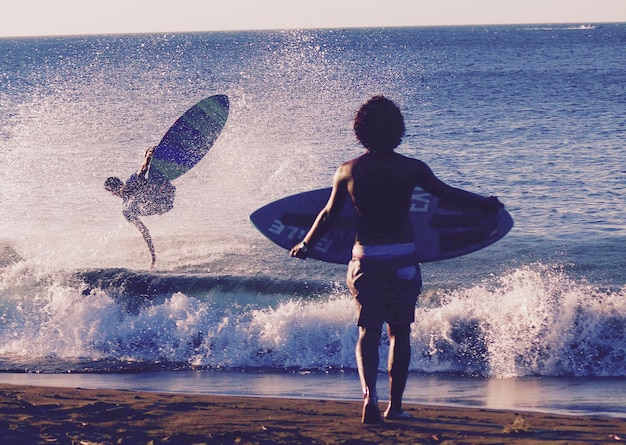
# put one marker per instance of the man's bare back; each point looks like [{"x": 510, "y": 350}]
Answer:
[{"x": 380, "y": 186}]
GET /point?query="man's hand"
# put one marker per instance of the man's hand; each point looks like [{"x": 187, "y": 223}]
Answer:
[
  {"x": 148, "y": 153},
  {"x": 492, "y": 202},
  {"x": 300, "y": 251}
]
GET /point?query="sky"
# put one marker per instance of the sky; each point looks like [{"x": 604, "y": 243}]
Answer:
[{"x": 20, "y": 18}]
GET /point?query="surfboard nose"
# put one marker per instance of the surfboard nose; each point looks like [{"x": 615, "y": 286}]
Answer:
[{"x": 222, "y": 99}]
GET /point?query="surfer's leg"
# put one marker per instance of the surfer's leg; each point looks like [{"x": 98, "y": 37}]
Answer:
[
  {"x": 147, "y": 238},
  {"x": 398, "y": 367},
  {"x": 401, "y": 313},
  {"x": 364, "y": 289},
  {"x": 367, "y": 364}
]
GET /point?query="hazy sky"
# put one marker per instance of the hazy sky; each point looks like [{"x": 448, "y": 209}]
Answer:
[{"x": 70, "y": 17}]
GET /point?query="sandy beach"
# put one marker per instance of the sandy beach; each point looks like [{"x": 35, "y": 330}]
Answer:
[{"x": 38, "y": 415}]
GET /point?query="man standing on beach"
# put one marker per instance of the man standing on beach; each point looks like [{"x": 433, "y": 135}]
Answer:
[
  {"x": 146, "y": 192},
  {"x": 383, "y": 276}
]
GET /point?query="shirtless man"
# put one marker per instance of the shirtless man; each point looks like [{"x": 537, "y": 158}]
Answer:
[
  {"x": 383, "y": 276},
  {"x": 146, "y": 192}
]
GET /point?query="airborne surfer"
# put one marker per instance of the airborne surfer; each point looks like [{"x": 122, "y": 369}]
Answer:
[
  {"x": 383, "y": 276},
  {"x": 146, "y": 192}
]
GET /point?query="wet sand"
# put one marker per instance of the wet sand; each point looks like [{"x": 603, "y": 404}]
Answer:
[{"x": 38, "y": 415}]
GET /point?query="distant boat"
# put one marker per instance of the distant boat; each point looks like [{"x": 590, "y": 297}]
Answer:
[{"x": 587, "y": 26}]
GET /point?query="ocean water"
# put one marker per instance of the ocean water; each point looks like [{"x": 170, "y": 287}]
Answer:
[{"x": 532, "y": 114}]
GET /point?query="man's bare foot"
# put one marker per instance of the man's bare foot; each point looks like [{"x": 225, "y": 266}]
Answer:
[
  {"x": 371, "y": 414},
  {"x": 397, "y": 415}
]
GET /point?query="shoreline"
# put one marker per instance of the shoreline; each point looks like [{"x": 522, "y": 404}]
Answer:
[
  {"x": 598, "y": 397},
  {"x": 39, "y": 414}
]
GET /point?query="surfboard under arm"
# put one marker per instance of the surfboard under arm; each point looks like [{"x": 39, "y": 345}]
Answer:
[{"x": 442, "y": 229}]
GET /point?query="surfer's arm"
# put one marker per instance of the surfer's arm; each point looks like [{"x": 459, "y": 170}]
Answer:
[
  {"x": 430, "y": 183},
  {"x": 146, "y": 161},
  {"x": 326, "y": 217},
  {"x": 147, "y": 238}
]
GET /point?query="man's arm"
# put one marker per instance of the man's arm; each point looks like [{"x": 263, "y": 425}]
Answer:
[
  {"x": 146, "y": 161},
  {"x": 327, "y": 216},
  {"x": 430, "y": 183}
]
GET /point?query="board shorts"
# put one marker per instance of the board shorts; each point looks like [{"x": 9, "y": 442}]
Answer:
[
  {"x": 151, "y": 196},
  {"x": 385, "y": 289}
]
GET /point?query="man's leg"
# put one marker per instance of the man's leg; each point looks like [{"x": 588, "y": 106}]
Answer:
[
  {"x": 398, "y": 366},
  {"x": 147, "y": 238},
  {"x": 367, "y": 363}
]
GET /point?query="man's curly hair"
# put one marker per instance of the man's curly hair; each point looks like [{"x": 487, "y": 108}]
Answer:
[{"x": 379, "y": 125}]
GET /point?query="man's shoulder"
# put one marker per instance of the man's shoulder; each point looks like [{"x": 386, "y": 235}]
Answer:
[
  {"x": 137, "y": 176},
  {"x": 356, "y": 160},
  {"x": 348, "y": 165},
  {"x": 132, "y": 179},
  {"x": 400, "y": 161},
  {"x": 412, "y": 162}
]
